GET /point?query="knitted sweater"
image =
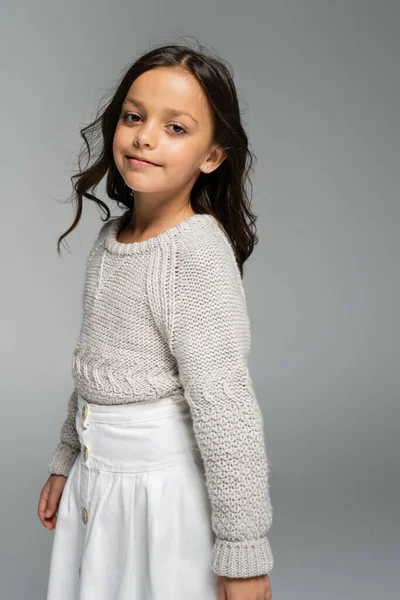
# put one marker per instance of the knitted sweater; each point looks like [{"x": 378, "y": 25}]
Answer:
[{"x": 167, "y": 316}]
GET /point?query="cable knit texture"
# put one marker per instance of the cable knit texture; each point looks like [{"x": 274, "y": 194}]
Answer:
[{"x": 168, "y": 317}]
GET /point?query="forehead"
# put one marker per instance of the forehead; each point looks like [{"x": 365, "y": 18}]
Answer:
[{"x": 170, "y": 89}]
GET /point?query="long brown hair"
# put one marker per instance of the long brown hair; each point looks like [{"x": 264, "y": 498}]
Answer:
[{"x": 221, "y": 193}]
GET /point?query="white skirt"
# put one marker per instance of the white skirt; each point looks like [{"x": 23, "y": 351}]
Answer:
[{"x": 134, "y": 520}]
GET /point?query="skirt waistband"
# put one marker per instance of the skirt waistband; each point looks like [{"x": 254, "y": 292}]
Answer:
[
  {"x": 133, "y": 411},
  {"x": 135, "y": 437}
]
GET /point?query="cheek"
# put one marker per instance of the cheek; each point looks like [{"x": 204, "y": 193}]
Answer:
[
  {"x": 117, "y": 141},
  {"x": 183, "y": 155}
]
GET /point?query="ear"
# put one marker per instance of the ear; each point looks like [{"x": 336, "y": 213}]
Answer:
[{"x": 214, "y": 160}]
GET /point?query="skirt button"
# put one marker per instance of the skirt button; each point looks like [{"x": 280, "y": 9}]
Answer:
[
  {"x": 84, "y": 411},
  {"x": 86, "y": 453},
  {"x": 84, "y": 515}
]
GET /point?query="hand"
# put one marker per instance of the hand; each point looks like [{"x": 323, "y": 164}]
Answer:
[
  {"x": 249, "y": 588},
  {"x": 50, "y": 497}
]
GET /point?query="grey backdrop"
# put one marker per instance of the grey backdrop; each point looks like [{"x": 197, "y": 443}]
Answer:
[{"x": 319, "y": 87}]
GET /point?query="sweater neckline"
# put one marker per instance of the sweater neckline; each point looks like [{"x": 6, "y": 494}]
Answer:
[{"x": 113, "y": 246}]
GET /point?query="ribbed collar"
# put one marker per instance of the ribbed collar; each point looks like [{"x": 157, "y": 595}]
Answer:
[{"x": 113, "y": 246}]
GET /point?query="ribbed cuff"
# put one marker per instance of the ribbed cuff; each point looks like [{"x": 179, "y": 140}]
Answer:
[
  {"x": 242, "y": 559},
  {"x": 62, "y": 460}
]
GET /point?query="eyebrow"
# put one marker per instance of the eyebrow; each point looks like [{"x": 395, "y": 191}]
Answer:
[{"x": 171, "y": 111}]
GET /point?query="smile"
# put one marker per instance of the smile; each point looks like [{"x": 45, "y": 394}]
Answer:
[{"x": 140, "y": 163}]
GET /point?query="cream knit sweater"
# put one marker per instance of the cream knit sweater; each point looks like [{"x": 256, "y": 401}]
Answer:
[{"x": 167, "y": 316}]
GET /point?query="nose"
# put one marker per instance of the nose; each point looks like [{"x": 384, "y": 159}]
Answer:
[{"x": 146, "y": 135}]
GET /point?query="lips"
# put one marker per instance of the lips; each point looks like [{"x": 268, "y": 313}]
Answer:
[{"x": 144, "y": 160}]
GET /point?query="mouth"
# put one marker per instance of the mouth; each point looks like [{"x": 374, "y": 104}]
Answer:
[{"x": 138, "y": 161}]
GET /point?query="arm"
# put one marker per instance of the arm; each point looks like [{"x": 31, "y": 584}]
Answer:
[
  {"x": 210, "y": 339},
  {"x": 68, "y": 447}
]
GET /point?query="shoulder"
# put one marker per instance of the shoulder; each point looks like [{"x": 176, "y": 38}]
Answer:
[
  {"x": 206, "y": 265},
  {"x": 207, "y": 249},
  {"x": 107, "y": 225},
  {"x": 102, "y": 235}
]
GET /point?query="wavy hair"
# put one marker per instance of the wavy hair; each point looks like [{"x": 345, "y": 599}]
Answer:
[{"x": 222, "y": 193}]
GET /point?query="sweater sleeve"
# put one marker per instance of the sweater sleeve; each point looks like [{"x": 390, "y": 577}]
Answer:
[
  {"x": 210, "y": 339},
  {"x": 68, "y": 447}
]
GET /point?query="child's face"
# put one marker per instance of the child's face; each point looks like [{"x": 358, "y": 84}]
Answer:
[{"x": 179, "y": 144}]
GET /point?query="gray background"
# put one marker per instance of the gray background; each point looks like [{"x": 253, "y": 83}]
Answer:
[{"x": 319, "y": 86}]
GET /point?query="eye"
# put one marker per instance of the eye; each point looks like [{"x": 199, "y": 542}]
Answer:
[
  {"x": 126, "y": 116},
  {"x": 179, "y": 127}
]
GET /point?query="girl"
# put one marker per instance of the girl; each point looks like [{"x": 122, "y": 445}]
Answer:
[{"x": 159, "y": 483}]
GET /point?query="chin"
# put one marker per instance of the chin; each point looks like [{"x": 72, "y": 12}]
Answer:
[{"x": 137, "y": 187}]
